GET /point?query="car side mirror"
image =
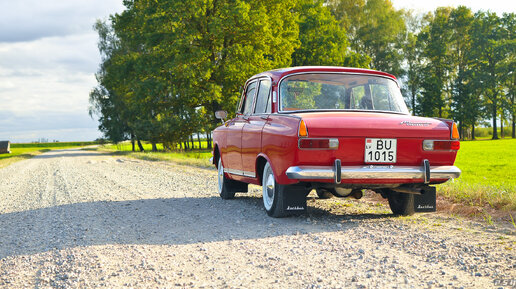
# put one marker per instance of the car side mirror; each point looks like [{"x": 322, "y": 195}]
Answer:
[{"x": 221, "y": 114}]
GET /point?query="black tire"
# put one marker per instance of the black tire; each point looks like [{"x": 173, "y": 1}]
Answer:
[
  {"x": 324, "y": 194},
  {"x": 272, "y": 194},
  {"x": 401, "y": 203},
  {"x": 224, "y": 184}
]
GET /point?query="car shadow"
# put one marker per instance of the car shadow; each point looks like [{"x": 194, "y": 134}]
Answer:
[{"x": 170, "y": 221}]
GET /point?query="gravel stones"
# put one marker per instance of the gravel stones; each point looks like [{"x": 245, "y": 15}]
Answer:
[{"x": 79, "y": 219}]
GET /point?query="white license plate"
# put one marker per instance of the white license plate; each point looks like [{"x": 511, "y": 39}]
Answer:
[{"x": 380, "y": 150}]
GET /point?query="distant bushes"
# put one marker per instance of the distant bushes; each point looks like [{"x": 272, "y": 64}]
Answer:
[{"x": 487, "y": 132}]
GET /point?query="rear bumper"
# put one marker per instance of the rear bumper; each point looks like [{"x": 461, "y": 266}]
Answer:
[{"x": 373, "y": 172}]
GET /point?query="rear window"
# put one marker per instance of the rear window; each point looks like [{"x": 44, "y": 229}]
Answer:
[{"x": 338, "y": 91}]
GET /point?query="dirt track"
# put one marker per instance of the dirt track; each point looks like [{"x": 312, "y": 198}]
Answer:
[{"x": 78, "y": 218}]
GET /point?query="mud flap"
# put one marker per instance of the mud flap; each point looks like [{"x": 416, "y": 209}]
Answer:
[
  {"x": 236, "y": 186},
  {"x": 294, "y": 200},
  {"x": 426, "y": 201}
]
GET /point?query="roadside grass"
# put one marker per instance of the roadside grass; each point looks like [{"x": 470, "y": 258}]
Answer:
[
  {"x": 22, "y": 151},
  {"x": 199, "y": 158},
  {"x": 126, "y": 146},
  {"x": 488, "y": 174}
]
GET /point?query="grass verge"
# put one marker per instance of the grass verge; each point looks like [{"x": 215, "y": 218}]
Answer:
[
  {"x": 199, "y": 158},
  {"x": 25, "y": 151}
]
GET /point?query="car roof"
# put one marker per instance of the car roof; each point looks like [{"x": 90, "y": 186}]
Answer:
[{"x": 277, "y": 74}]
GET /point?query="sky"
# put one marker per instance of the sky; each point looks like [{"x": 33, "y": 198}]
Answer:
[
  {"x": 48, "y": 60},
  {"x": 49, "y": 56}
]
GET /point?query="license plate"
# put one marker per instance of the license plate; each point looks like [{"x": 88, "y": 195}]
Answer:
[{"x": 380, "y": 150}]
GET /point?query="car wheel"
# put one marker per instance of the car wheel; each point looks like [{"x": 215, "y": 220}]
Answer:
[
  {"x": 272, "y": 194},
  {"x": 323, "y": 194},
  {"x": 401, "y": 203},
  {"x": 224, "y": 187}
]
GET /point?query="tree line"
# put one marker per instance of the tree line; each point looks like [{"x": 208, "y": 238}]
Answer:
[{"x": 167, "y": 66}]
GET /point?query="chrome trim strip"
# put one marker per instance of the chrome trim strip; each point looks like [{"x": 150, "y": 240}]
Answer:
[
  {"x": 372, "y": 172},
  {"x": 240, "y": 173}
]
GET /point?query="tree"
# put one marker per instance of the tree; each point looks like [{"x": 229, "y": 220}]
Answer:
[
  {"x": 487, "y": 50},
  {"x": 176, "y": 62},
  {"x": 412, "y": 52},
  {"x": 322, "y": 40},
  {"x": 436, "y": 37},
  {"x": 375, "y": 29},
  {"x": 464, "y": 100},
  {"x": 508, "y": 66}
]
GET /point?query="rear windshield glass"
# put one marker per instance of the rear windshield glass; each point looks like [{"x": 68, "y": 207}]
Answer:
[{"x": 336, "y": 91}]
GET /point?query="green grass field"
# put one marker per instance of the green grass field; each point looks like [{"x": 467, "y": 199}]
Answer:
[
  {"x": 23, "y": 151},
  {"x": 488, "y": 170},
  {"x": 488, "y": 174}
]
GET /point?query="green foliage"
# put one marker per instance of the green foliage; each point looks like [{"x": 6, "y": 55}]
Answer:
[
  {"x": 323, "y": 40},
  {"x": 375, "y": 29},
  {"x": 167, "y": 66}
]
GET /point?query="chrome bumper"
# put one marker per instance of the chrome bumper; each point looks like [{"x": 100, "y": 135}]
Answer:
[{"x": 370, "y": 172}]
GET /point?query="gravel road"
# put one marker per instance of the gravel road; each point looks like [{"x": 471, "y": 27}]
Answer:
[{"x": 81, "y": 219}]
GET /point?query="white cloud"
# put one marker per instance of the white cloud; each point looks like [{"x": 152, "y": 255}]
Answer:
[{"x": 27, "y": 20}]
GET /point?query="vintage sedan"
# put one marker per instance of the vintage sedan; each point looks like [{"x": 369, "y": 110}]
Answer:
[{"x": 334, "y": 130}]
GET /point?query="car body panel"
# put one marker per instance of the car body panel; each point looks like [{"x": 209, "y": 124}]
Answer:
[{"x": 245, "y": 138}]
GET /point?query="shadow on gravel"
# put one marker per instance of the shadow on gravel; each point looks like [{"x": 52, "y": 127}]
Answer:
[{"x": 172, "y": 221}]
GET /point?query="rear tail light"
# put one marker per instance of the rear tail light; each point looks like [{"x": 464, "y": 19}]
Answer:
[
  {"x": 455, "y": 132},
  {"x": 319, "y": 143},
  {"x": 303, "y": 132},
  {"x": 441, "y": 145}
]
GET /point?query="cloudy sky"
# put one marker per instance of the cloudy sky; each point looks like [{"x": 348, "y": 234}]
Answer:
[{"x": 49, "y": 55}]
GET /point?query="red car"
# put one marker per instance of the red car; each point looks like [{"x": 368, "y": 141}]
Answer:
[{"x": 335, "y": 130}]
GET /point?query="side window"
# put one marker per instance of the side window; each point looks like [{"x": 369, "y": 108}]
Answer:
[
  {"x": 262, "y": 100},
  {"x": 249, "y": 98}
]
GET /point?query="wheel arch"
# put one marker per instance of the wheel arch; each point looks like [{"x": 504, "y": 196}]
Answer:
[
  {"x": 216, "y": 155},
  {"x": 261, "y": 160}
]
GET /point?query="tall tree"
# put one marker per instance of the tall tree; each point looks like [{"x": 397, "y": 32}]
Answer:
[
  {"x": 508, "y": 67},
  {"x": 487, "y": 50},
  {"x": 436, "y": 37},
  {"x": 412, "y": 52},
  {"x": 464, "y": 102}
]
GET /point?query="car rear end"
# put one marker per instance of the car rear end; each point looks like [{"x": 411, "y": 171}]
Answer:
[
  {"x": 355, "y": 132},
  {"x": 363, "y": 149}
]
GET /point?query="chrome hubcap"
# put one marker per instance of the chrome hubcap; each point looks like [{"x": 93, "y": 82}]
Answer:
[{"x": 268, "y": 187}]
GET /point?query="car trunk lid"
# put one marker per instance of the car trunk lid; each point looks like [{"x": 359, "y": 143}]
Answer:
[{"x": 373, "y": 124}]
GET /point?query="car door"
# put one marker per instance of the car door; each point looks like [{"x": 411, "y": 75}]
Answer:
[
  {"x": 233, "y": 158},
  {"x": 252, "y": 131}
]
